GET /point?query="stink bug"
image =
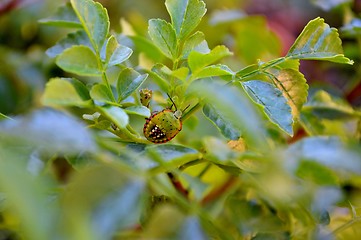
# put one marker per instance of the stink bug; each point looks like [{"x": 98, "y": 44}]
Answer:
[{"x": 162, "y": 126}]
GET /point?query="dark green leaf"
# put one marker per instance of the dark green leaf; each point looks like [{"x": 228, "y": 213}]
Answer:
[
  {"x": 94, "y": 19},
  {"x": 327, "y": 151},
  {"x": 77, "y": 38},
  {"x": 138, "y": 110},
  {"x": 163, "y": 35},
  {"x": 64, "y": 17},
  {"x": 323, "y": 105},
  {"x": 115, "y": 53},
  {"x": 117, "y": 115},
  {"x": 197, "y": 61},
  {"x": 185, "y": 15},
  {"x": 273, "y": 102},
  {"x": 195, "y": 42},
  {"x": 66, "y": 92},
  {"x": 227, "y": 128},
  {"x": 51, "y": 131},
  {"x": 101, "y": 93},
  {"x": 129, "y": 80},
  {"x": 320, "y": 42},
  {"x": 79, "y": 60}
]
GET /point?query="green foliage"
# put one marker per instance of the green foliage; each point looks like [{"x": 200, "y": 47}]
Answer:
[{"x": 259, "y": 157}]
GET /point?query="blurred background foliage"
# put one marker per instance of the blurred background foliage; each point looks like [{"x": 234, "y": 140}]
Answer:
[{"x": 252, "y": 30}]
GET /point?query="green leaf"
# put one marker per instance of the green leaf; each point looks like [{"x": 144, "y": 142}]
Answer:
[
  {"x": 294, "y": 88},
  {"x": 197, "y": 61},
  {"x": 163, "y": 36},
  {"x": 51, "y": 131},
  {"x": 273, "y": 102},
  {"x": 79, "y": 60},
  {"x": 77, "y": 38},
  {"x": 234, "y": 107},
  {"x": 195, "y": 42},
  {"x": 138, "y": 110},
  {"x": 119, "y": 210},
  {"x": 66, "y": 92},
  {"x": 116, "y": 115},
  {"x": 317, "y": 173},
  {"x": 185, "y": 15},
  {"x": 320, "y": 42},
  {"x": 64, "y": 17},
  {"x": 147, "y": 47},
  {"x": 327, "y": 151},
  {"x": 172, "y": 156},
  {"x": 227, "y": 128},
  {"x": 115, "y": 53},
  {"x": 94, "y": 19},
  {"x": 101, "y": 93},
  {"x": 3, "y": 116},
  {"x": 327, "y": 5},
  {"x": 129, "y": 80},
  {"x": 323, "y": 105},
  {"x": 214, "y": 71}
]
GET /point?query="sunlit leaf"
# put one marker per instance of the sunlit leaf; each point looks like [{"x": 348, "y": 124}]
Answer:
[
  {"x": 227, "y": 128},
  {"x": 273, "y": 102},
  {"x": 77, "y": 38},
  {"x": 195, "y": 42},
  {"x": 66, "y": 92},
  {"x": 64, "y": 17},
  {"x": 51, "y": 131},
  {"x": 3, "y": 116},
  {"x": 138, "y": 110},
  {"x": 214, "y": 71},
  {"x": 116, "y": 115},
  {"x": 294, "y": 88},
  {"x": 197, "y": 61},
  {"x": 128, "y": 81},
  {"x": 163, "y": 36},
  {"x": 94, "y": 19},
  {"x": 80, "y": 60},
  {"x": 319, "y": 42},
  {"x": 185, "y": 15}
]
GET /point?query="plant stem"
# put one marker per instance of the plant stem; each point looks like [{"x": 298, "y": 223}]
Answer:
[{"x": 106, "y": 82}]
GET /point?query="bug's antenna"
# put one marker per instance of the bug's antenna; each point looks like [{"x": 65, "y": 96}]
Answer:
[{"x": 172, "y": 102}]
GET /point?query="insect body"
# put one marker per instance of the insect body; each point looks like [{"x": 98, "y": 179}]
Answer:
[{"x": 162, "y": 126}]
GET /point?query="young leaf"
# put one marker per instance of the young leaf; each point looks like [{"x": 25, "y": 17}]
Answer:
[
  {"x": 138, "y": 110},
  {"x": 323, "y": 105},
  {"x": 116, "y": 115},
  {"x": 320, "y": 42},
  {"x": 115, "y": 53},
  {"x": 195, "y": 42},
  {"x": 66, "y": 92},
  {"x": 275, "y": 105},
  {"x": 100, "y": 93},
  {"x": 213, "y": 71},
  {"x": 185, "y": 15},
  {"x": 197, "y": 61},
  {"x": 94, "y": 19},
  {"x": 294, "y": 88},
  {"x": 163, "y": 35},
  {"x": 225, "y": 125},
  {"x": 77, "y": 38},
  {"x": 128, "y": 81},
  {"x": 80, "y": 60},
  {"x": 64, "y": 17}
]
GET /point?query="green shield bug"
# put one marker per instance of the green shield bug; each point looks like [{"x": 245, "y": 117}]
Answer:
[{"x": 162, "y": 126}]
